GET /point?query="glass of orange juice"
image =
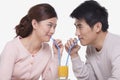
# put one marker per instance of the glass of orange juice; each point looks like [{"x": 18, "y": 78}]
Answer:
[{"x": 63, "y": 72}]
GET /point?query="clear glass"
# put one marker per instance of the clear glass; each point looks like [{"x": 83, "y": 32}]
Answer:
[{"x": 63, "y": 73}]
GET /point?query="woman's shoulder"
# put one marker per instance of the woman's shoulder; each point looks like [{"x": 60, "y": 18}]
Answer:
[
  {"x": 10, "y": 47},
  {"x": 12, "y": 42}
]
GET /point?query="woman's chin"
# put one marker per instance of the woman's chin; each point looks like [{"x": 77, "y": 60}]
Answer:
[{"x": 47, "y": 40}]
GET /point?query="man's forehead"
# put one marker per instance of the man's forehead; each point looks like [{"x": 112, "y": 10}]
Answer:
[{"x": 78, "y": 21}]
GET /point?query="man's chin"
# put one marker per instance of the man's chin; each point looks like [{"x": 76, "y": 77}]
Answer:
[{"x": 83, "y": 44}]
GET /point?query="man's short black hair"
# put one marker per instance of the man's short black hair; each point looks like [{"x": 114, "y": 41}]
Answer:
[{"x": 92, "y": 12}]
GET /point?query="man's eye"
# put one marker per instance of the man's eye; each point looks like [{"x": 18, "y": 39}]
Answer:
[{"x": 78, "y": 27}]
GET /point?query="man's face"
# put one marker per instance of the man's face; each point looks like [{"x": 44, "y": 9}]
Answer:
[{"x": 85, "y": 33}]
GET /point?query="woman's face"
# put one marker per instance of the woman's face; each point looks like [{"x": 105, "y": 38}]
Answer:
[{"x": 45, "y": 29}]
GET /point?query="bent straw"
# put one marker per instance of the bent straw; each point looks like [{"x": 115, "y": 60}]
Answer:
[
  {"x": 69, "y": 50},
  {"x": 58, "y": 50}
]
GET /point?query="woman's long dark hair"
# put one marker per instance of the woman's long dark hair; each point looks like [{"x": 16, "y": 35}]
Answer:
[{"x": 38, "y": 12}]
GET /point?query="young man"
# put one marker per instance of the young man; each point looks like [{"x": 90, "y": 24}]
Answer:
[{"x": 103, "y": 47}]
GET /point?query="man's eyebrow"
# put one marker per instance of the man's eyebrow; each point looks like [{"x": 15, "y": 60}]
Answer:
[{"x": 77, "y": 24}]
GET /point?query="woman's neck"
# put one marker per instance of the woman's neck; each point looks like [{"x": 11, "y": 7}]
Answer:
[{"x": 31, "y": 44}]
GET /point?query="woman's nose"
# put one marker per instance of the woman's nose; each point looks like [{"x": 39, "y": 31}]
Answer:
[{"x": 52, "y": 30}]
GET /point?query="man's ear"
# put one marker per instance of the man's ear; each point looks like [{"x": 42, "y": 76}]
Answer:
[
  {"x": 34, "y": 24},
  {"x": 98, "y": 27}
]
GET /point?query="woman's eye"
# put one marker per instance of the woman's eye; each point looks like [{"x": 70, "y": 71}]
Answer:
[{"x": 50, "y": 25}]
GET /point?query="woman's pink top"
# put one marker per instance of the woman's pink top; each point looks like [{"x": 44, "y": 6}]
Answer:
[{"x": 16, "y": 63}]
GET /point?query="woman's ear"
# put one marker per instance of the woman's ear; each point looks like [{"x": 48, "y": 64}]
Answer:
[
  {"x": 34, "y": 24},
  {"x": 98, "y": 27}
]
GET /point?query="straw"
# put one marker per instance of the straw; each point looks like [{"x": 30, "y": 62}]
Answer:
[
  {"x": 59, "y": 56},
  {"x": 69, "y": 50}
]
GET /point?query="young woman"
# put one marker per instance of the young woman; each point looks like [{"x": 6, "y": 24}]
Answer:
[{"x": 28, "y": 56}]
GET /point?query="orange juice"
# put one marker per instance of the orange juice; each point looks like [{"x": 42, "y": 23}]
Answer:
[{"x": 63, "y": 72}]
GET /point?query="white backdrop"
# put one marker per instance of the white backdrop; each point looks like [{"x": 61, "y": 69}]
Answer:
[{"x": 12, "y": 11}]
